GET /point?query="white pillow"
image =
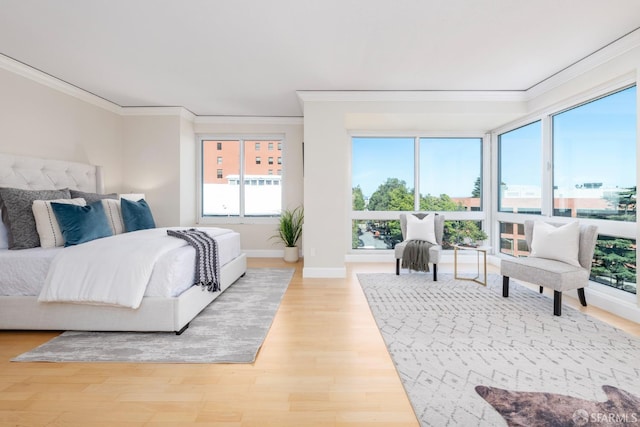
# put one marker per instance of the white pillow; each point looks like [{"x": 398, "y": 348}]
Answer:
[
  {"x": 4, "y": 237},
  {"x": 114, "y": 215},
  {"x": 421, "y": 229},
  {"x": 557, "y": 243},
  {"x": 46, "y": 222}
]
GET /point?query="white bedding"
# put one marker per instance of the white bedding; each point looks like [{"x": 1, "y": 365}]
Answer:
[{"x": 23, "y": 272}]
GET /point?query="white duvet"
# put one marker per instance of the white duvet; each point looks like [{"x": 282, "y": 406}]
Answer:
[{"x": 110, "y": 271}]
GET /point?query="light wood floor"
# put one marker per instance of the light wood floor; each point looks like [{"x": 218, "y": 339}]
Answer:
[{"x": 323, "y": 363}]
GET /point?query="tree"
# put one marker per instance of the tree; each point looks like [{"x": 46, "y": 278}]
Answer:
[
  {"x": 458, "y": 232},
  {"x": 627, "y": 200},
  {"x": 357, "y": 199},
  {"x": 624, "y": 204},
  {"x": 355, "y": 235},
  {"x": 476, "y": 193},
  {"x": 614, "y": 258},
  {"x": 442, "y": 203},
  {"x": 393, "y": 195}
]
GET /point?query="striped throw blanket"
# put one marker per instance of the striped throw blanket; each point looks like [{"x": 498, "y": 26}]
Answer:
[{"x": 207, "y": 261}]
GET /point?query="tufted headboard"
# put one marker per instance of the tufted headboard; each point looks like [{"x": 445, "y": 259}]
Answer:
[{"x": 32, "y": 173}]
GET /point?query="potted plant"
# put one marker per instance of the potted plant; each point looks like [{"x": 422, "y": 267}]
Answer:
[{"x": 290, "y": 231}]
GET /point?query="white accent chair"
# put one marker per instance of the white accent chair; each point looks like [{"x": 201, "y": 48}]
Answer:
[
  {"x": 434, "y": 251},
  {"x": 553, "y": 274}
]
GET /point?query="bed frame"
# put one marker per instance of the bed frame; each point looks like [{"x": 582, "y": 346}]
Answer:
[{"x": 154, "y": 314}]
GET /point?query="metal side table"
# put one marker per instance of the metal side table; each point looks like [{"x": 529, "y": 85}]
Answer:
[{"x": 479, "y": 250}]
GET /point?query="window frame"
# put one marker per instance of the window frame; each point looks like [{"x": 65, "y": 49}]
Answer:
[
  {"x": 499, "y": 162},
  {"x": 241, "y": 138},
  {"x": 622, "y": 229},
  {"x": 483, "y": 215}
]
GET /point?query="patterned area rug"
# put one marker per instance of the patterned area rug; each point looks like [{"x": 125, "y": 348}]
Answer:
[
  {"x": 456, "y": 343},
  {"x": 230, "y": 330}
]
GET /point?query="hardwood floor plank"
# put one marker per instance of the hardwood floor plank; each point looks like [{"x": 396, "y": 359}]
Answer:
[{"x": 323, "y": 363}]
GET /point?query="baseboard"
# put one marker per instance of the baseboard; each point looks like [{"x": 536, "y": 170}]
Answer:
[
  {"x": 324, "y": 273},
  {"x": 445, "y": 256},
  {"x": 613, "y": 305},
  {"x": 264, "y": 253},
  {"x": 370, "y": 257}
]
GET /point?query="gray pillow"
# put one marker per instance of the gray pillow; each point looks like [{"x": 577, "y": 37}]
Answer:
[
  {"x": 17, "y": 214},
  {"x": 92, "y": 197}
]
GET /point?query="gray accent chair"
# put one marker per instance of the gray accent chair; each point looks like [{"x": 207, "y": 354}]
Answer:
[
  {"x": 434, "y": 251},
  {"x": 553, "y": 274}
]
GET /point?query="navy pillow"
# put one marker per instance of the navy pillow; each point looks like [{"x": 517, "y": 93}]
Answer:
[
  {"x": 136, "y": 215},
  {"x": 80, "y": 224}
]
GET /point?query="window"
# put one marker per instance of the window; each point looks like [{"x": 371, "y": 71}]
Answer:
[
  {"x": 520, "y": 170},
  {"x": 391, "y": 174},
  {"x": 270, "y": 160},
  {"x": 382, "y": 174},
  {"x": 279, "y": 146},
  {"x": 450, "y": 174},
  {"x": 240, "y": 191},
  {"x": 579, "y": 162},
  {"x": 270, "y": 146},
  {"x": 594, "y": 158},
  {"x": 279, "y": 160}
]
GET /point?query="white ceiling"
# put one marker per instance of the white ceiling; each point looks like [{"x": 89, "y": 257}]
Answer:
[{"x": 249, "y": 57}]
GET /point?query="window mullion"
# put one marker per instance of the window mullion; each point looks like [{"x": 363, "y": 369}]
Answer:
[
  {"x": 416, "y": 174},
  {"x": 242, "y": 173},
  {"x": 547, "y": 167}
]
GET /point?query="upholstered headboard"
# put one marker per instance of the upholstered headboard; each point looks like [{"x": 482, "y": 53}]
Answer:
[{"x": 32, "y": 173}]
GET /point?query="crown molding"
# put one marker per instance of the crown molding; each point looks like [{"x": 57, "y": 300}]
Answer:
[
  {"x": 247, "y": 120},
  {"x": 159, "y": 111},
  {"x": 45, "y": 79},
  {"x": 599, "y": 57},
  {"x": 409, "y": 95}
]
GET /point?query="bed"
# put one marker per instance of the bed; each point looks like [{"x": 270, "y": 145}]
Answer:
[{"x": 170, "y": 301}]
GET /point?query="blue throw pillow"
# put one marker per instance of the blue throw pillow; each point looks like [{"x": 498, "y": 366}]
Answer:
[
  {"x": 136, "y": 215},
  {"x": 80, "y": 224}
]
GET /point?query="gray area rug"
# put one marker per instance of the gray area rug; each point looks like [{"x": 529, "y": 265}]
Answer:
[
  {"x": 230, "y": 330},
  {"x": 453, "y": 340}
]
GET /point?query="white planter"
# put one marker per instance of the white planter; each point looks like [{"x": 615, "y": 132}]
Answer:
[{"x": 291, "y": 254}]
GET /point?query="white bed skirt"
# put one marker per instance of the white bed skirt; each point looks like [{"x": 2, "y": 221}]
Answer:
[{"x": 154, "y": 314}]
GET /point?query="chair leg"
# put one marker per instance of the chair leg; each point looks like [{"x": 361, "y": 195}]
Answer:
[
  {"x": 397, "y": 266},
  {"x": 541, "y": 289},
  {"x": 557, "y": 303},
  {"x": 505, "y": 286},
  {"x": 583, "y": 300},
  {"x": 435, "y": 272}
]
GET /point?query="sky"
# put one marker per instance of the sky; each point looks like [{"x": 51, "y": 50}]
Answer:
[
  {"x": 594, "y": 142},
  {"x": 376, "y": 159}
]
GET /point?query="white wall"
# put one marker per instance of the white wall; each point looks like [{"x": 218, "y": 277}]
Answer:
[
  {"x": 37, "y": 120},
  {"x": 151, "y": 163},
  {"x": 188, "y": 173}
]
